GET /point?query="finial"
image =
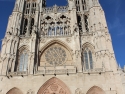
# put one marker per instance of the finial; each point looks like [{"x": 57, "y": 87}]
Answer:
[{"x": 119, "y": 66}]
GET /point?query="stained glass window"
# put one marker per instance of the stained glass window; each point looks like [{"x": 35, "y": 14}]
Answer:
[
  {"x": 55, "y": 55},
  {"x": 23, "y": 61},
  {"x": 87, "y": 57},
  {"x": 86, "y": 60},
  {"x": 90, "y": 60}
]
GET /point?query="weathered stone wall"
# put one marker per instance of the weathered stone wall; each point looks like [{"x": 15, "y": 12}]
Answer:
[{"x": 84, "y": 82}]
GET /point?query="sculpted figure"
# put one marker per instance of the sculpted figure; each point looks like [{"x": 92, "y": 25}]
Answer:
[
  {"x": 58, "y": 31},
  {"x": 76, "y": 29}
]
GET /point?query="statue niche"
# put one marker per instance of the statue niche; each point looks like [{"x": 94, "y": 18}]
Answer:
[{"x": 54, "y": 86}]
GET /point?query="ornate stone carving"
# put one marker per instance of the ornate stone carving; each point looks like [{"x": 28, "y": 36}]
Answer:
[
  {"x": 59, "y": 26},
  {"x": 61, "y": 91},
  {"x": 78, "y": 91},
  {"x": 43, "y": 40},
  {"x": 55, "y": 9},
  {"x": 68, "y": 40},
  {"x": 76, "y": 29},
  {"x": 55, "y": 55},
  {"x": 24, "y": 42},
  {"x": 46, "y": 91},
  {"x": 77, "y": 53},
  {"x": 54, "y": 86}
]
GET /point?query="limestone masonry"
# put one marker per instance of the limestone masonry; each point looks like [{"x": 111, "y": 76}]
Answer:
[{"x": 59, "y": 50}]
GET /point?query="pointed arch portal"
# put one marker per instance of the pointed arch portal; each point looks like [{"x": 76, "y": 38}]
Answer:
[
  {"x": 54, "y": 86},
  {"x": 14, "y": 91},
  {"x": 95, "y": 90}
]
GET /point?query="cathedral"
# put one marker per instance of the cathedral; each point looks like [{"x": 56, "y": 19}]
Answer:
[{"x": 59, "y": 50}]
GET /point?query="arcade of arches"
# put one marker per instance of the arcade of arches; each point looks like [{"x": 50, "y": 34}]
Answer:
[{"x": 56, "y": 86}]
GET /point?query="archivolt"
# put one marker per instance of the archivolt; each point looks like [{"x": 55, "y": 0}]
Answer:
[
  {"x": 95, "y": 90},
  {"x": 54, "y": 85},
  {"x": 54, "y": 42},
  {"x": 14, "y": 91},
  {"x": 89, "y": 45},
  {"x": 24, "y": 47}
]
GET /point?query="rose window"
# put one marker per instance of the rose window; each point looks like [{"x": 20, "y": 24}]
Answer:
[{"x": 55, "y": 55}]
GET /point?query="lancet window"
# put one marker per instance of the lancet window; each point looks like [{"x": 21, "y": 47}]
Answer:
[
  {"x": 25, "y": 23},
  {"x": 31, "y": 25},
  {"x": 87, "y": 59},
  {"x": 22, "y": 61},
  {"x": 77, "y": 1},
  {"x": 84, "y": 4},
  {"x": 28, "y": 17},
  {"x": 78, "y": 8},
  {"x": 79, "y": 22},
  {"x": 86, "y": 23},
  {"x": 30, "y": 7},
  {"x": 49, "y": 27},
  {"x": 44, "y": 3}
]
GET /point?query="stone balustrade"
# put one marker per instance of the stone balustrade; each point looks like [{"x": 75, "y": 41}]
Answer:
[
  {"x": 21, "y": 73},
  {"x": 94, "y": 70},
  {"x": 55, "y": 9},
  {"x": 57, "y": 70}
]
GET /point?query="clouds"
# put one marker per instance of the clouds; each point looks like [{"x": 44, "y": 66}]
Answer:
[
  {"x": 114, "y": 18},
  {"x": 117, "y": 27}
]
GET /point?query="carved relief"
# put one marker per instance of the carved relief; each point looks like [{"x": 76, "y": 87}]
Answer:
[
  {"x": 43, "y": 40},
  {"x": 62, "y": 91},
  {"x": 77, "y": 53},
  {"x": 78, "y": 91},
  {"x": 24, "y": 42},
  {"x": 54, "y": 86},
  {"x": 68, "y": 40},
  {"x": 55, "y": 55},
  {"x": 51, "y": 26},
  {"x": 46, "y": 91}
]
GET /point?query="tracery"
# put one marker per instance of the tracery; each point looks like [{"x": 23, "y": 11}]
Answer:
[
  {"x": 51, "y": 27},
  {"x": 87, "y": 58},
  {"x": 55, "y": 55},
  {"x": 22, "y": 60}
]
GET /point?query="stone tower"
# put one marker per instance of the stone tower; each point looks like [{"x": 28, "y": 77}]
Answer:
[{"x": 59, "y": 49}]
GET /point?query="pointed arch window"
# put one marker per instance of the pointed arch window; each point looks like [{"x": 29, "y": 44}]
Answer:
[
  {"x": 87, "y": 58},
  {"x": 31, "y": 25},
  {"x": 86, "y": 23},
  {"x": 22, "y": 61}
]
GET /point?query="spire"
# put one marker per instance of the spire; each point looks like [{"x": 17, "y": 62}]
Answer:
[
  {"x": 119, "y": 66},
  {"x": 16, "y": 7},
  {"x": 96, "y": 3}
]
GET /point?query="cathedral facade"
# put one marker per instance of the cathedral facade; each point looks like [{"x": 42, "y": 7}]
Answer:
[{"x": 59, "y": 50}]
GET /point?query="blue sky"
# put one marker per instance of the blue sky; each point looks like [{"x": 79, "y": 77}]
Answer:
[{"x": 115, "y": 16}]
